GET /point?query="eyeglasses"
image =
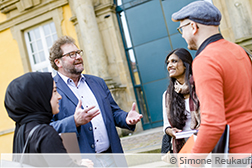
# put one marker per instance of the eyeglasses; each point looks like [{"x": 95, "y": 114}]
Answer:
[
  {"x": 73, "y": 54},
  {"x": 180, "y": 28}
]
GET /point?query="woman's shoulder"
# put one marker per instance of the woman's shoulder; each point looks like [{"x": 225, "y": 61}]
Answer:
[
  {"x": 165, "y": 92},
  {"x": 48, "y": 137},
  {"x": 165, "y": 95},
  {"x": 42, "y": 132},
  {"x": 47, "y": 130}
]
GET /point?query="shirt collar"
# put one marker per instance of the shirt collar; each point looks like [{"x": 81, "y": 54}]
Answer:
[
  {"x": 67, "y": 79},
  {"x": 211, "y": 39}
]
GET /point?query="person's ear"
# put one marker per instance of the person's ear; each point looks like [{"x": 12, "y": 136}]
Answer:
[
  {"x": 58, "y": 62},
  {"x": 194, "y": 27}
]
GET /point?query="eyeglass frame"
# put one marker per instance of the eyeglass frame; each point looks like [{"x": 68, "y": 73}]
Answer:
[
  {"x": 75, "y": 54},
  {"x": 180, "y": 27}
]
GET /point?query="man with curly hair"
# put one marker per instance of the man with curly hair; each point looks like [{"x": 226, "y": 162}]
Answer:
[{"x": 95, "y": 125}]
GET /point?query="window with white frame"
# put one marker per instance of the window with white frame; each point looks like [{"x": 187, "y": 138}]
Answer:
[{"x": 38, "y": 42}]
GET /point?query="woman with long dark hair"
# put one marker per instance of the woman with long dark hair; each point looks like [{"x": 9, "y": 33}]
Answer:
[{"x": 180, "y": 103}]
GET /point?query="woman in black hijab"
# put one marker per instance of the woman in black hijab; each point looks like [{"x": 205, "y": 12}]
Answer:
[{"x": 31, "y": 100}]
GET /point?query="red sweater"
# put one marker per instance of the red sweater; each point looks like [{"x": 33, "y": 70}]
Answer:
[{"x": 223, "y": 79}]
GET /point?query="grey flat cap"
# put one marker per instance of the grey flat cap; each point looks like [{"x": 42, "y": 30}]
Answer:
[{"x": 199, "y": 11}]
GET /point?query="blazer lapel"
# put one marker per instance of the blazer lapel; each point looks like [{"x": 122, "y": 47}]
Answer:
[{"x": 62, "y": 86}]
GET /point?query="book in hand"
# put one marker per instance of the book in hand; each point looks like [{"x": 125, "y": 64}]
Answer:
[{"x": 185, "y": 134}]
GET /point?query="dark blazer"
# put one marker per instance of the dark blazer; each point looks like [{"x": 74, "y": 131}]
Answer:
[{"x": 112, "y": 114}]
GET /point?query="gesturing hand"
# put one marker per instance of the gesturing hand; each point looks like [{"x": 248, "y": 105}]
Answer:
[
  {"x": 133, "y": 117},
  {"x": 84, "y": 116}
]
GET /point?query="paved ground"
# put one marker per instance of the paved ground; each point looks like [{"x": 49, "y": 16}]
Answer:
[
  {"x": 143, "y": 142},
  {"x": 144, "y": 149}
]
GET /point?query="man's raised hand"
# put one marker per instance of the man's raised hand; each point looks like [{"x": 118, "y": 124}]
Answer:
[
  {"x": 133, "y": 117},
  {"x": 84, "y": 116}
]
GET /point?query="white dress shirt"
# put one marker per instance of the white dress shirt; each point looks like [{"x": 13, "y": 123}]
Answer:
[{"x": 83, "y": 92}]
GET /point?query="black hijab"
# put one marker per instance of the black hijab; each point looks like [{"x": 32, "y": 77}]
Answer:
[{"x": 27, "y": 99}]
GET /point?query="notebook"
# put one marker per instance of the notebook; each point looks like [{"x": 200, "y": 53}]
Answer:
[
  {"x": 185, "y": 134},
  {"x": 70, "y": 142}
]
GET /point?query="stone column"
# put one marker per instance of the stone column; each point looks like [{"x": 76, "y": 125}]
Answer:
[
  {"x": 240, "y": 18},
  {"x": 95, "y": 58}
]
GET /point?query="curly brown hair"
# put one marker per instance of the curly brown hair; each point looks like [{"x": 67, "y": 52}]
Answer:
[{"x": 55, "y": 50}]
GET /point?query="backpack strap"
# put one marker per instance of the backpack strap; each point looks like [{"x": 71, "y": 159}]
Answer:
[
  {"x": 29, "y": 137},
  {"x": 27, "y": 141}
]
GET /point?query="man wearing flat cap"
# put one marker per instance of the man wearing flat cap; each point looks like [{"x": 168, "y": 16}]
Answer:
[{"x": 223, "y": 79}]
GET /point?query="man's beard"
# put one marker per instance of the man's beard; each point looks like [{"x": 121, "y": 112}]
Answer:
[
  {"x": 75, "y": 71},
  {"x": 72, "y": 70},
  {"x": 191, "y": 45}
]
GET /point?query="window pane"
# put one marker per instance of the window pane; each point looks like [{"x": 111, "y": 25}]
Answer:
[
  {"x": 42, "y": 56},
  {"x": 31, "y": 36},
  {"x": 55, "y": 37},
  {"x": 142, "y": 104},
  {"x": 125, "y": 1},
  {"x": 37, "y": 34},
  {"x": 126, "y": 30},
  {"x": 46, "y": 29},
  {"x": 134, "y": 67},
  {"x": 49, "y": 41},
  {"x": 143, "y": 31},
  {"x": 154, "y": 51},
  {"x": 45, "y": 69},
  {"x": 35, "y": 58},
  {"x": 31, "y": 45},
  {"x": 119, "y": 2},
  {"x": 39, "y": 44}
]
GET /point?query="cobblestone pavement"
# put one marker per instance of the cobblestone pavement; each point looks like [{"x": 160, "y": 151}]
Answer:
[{"x": 143, "y": 142}]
